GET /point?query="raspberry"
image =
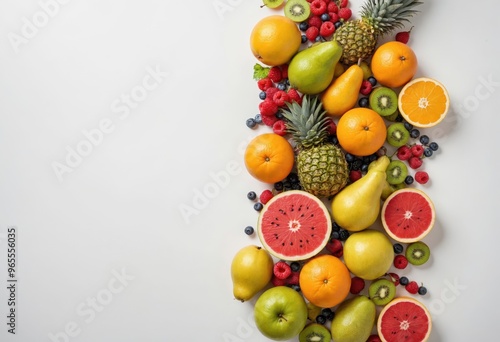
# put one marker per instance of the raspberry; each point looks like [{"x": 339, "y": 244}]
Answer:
[
  {"x": 318, "y": 7},
  {"x": 357, "y": 285},
  {"x": 415, "y": 162},
  {"x": 332, "y": 7},
  {"x": 421, "y": 177},
  {"x": 279, "y": 127},
  {"x": 417, "y": 150},
  {"x": 277, "y": 281},
  {"x": 265, "y": 196},
  {"x": 332, "y": 126},
  {"x": 345, "y": 13},
  {"x": 354, "y": 175},
  {"x": 311, "y": 33},
  {"x": 270, "y": 92},
  {"x": 269, "y": 120},
  {"x": 315, "y": 21},
  {"x": 294, "y": 95},
  {"x": 335, "y": 247},
  {"x": 327, "y": 29},
  {"x": 366, "y": 87},
  {"x": 412, "y": 287},
  {"x": 344, "y": 3},
  {"x": 275, "y": 74},
  {"x": 293, "y": 279},
  {"x": 334, "y": 17},
  {"x": 373, "y": 338},
  {"x": 284, "y": 71},
  {"x": 282, "y": 270},
  {"x": 264, "y": 84},
  {"x": 394, "y": 278},
  {"x": 403, "y": 153},
  {"x": 400, "y": 261},
  {"x": 268, "y": 107},
  {"x": 281, "y": 97}
]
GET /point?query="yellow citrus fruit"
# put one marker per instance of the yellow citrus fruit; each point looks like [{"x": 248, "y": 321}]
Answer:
[
  {"x": 368, "y": 254},
  {"x": 325, "y": 281},
  {"x": 361, "y": 131},
  {"x": 269, "y": 158},
  {"x": 275, "y": 39},
  {"x": 423, "y": 102},
  {"x": 393, "y": 64}
]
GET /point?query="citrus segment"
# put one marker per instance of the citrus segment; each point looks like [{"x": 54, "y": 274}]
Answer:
[
  {"x": 404, "y": 319},
  {"x": 408, "y": 215},
  {"x": 423, "y": 102},
  {"x": 325, "y": 281},
  {"x": 294, "y": 225}
]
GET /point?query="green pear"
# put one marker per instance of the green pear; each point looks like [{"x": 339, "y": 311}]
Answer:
[
  {"x": 354, "y": 320},
  {"x": 357, "y": 206},
  {"x": 311, "y": 70}
]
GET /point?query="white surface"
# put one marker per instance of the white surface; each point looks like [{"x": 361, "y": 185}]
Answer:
[{"x": 118, "y": 210}]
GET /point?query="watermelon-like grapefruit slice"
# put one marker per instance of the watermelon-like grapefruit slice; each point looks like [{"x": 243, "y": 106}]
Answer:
[
  {"x": 294, "y": 225},
  {"x": 408, "y": 215},
  {"x": 404, "y": 319}
]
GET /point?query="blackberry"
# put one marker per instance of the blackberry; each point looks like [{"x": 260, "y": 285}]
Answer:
[{"x": 356, "y": 164}]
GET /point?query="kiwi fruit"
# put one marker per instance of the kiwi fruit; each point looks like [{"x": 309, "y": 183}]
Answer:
[
  {"x": 315, "y": 332},
  {"x": 383, "y": 100},
  {"x": 272, "y": 3},
  {"x": 297, "y": 10},
  {"x": 382, "y": 291},
  {"x": 397, "y": 134},
  {"x": 417, "y": 253},
  {"x": 396, "y": 172}
]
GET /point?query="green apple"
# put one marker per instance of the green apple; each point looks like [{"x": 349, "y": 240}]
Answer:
[{"x": 280, "y": 313}]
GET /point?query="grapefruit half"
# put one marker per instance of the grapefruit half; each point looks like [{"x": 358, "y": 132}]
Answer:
[
  {"x": 294, "y": 225},
  {"x": 408, "y": 215},
  {"x": 404, "y": 319}
]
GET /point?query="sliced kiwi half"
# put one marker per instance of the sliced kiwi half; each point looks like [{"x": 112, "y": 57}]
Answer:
[
  {"x": 297, "y": 10},
  {"x": 396, "y": 172},
  {"x": 383, "y": 100},
  {"x": 273, "y": 3},
  {"x": 397, "y": 134},
  {"x": 417, "y": 253},
  {"x": 315, "y": 332},
  {"x": 382, "y": 291}
]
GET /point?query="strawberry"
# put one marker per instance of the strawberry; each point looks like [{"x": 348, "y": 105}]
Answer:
[
  {"x": 282, "y": 270},
  {"x": 345, "y": 13},
  {"x": 265, "y": 196},
  {"x": 279, "y": 127},
  {"x": 268, "y": 107},
  {"x": 403, "y": 36},
  {"x": 275, "y": 74},
  {"x": 357, "y": 285}
]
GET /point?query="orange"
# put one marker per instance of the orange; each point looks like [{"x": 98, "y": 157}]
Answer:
[
  {"x": 269, "y": 157},
  {"x": 423, "y": 102},
  {"x": 361, "y": 131},
  {"x": 275, "y": 39},
  {"x": 393, "y": 64},
  {"x": 325, "y": 281}
]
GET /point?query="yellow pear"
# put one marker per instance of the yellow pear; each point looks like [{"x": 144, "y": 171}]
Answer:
[
  {"x": 251, "y": 271},
  {"x": 342, "y": 94},
  {"x": 357, "y": 206}
]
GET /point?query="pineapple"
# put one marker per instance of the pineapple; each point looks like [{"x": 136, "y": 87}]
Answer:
[
  {"x": 358, "y": 38},
  {"x": 321, "y": 166}
]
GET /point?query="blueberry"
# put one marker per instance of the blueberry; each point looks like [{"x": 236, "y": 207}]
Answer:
[
  {"x": 249, "y": 230},
  {"x": 428, "y": 152},
  {"x": 364, "y": 167},
  {"x": 279, "y": 115},
  {"x": 281, "y": 86},
  {"x": 434, "y": 146},
  {"x": 295, "y": 266},
  {"x": 296, "y": 186},
  {"x": 424, "y": 139},
  {"x": 258, "y": 118},
  {"x": 318, "y": 39},
  {"x": 278, "y": 186},
  {"x": 364, "y": 102},
  {"x": 325, "y": 17},
  {"x": 321, "y": 319},
  {"x": 404, "y": 281},
  {"x": 372, "y": 80},
  {"x": 251, "y": 123},
  {"x": 328, "y": 313},
  {"x": 303, "y": 26},
  {"x": 408, "y": 126},
  {"x": 409, "y": 180},
  {"x": 335, "y": 235},
  {"x": 414, "y": 133},
  {"x": 303, "y": 38},
  {"x": 293, "y": 177},
  {"x": 398, "y": 248},
  {"x": 349, "y": 157},
  {"x": 343, "y": 234},
  {"x": 333, "y": 139},
  {"x": 251, "y": 195},
  {"x": 258, "y": 206},
  {"x": 422, "y": 290},
  {"x": 338, "y": 24},
  {"x": 336, "y": 227},
  {"x": 295, "y": 287}
]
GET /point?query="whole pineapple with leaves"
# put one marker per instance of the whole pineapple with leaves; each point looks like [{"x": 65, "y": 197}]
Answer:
[
  {"x": 358, "y": 38},
  {"x": 321, "y": 166}
]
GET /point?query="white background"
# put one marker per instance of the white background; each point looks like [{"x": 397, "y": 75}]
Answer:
[{"x": 118, "y": 210}]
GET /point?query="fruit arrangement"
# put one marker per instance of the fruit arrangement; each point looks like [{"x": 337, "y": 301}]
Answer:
[{"x": 344, "y": 212}]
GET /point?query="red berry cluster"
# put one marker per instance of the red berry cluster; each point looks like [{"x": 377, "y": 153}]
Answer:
[
  {"x": 285, "y": 274},
  {"x": 414, "y": 156},
  {"x": 410, "y": 285},
  {"x": 326, "y": 17}
]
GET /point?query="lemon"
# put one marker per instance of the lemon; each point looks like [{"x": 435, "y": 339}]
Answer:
[{"x": 368, "y": 254}]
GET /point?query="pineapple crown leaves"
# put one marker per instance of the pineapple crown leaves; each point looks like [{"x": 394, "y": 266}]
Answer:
[
  {"x": 387, "y": 15},
  {"x": 307, "y": 122}
]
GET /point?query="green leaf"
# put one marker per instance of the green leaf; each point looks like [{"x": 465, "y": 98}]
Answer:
[{"x": 260, "y": 72}]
